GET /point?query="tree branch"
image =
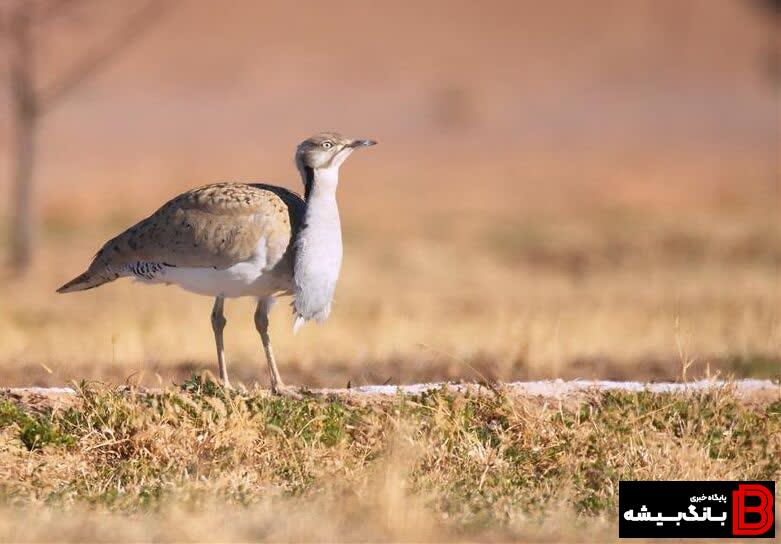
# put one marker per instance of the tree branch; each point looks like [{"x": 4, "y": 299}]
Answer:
[{"x": 94, "y": 60}]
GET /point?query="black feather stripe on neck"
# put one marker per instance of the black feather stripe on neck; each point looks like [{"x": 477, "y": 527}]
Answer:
[{"x": 309, "y": 181}]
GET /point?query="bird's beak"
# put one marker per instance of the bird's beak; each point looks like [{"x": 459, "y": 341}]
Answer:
[{"x": 361, "y": 143}]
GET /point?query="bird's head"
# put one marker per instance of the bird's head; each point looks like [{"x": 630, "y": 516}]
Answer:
[{"x": 326, "y": 150}]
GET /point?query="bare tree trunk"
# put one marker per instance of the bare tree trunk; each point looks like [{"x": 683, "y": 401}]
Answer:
[
  {"x": 28, "y": 104},
  {"x": 24, "y": 111}
]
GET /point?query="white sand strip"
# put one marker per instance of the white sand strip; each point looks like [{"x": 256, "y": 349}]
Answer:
[{"x": 545, "y": 388}]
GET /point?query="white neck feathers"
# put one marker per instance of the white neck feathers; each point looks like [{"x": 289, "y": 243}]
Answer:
[{"x": 318, "y": 249}]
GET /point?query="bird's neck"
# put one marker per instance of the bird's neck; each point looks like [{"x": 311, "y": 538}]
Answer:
[
  {"x": 319, "y": 246},
  {"x": 320, "y": 195},
  {"x": 320, "y": 183}
]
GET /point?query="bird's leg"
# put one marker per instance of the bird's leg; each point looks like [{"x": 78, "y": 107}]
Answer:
[
  {"x": 261, "y": 323},
  {"x": 218, "y": 325}
]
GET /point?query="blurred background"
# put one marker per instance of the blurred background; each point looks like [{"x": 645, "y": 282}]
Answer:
[{"x": 563, "y": 189}]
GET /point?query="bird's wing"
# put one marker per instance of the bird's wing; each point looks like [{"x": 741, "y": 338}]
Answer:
[{"x": 214, "y": 226}]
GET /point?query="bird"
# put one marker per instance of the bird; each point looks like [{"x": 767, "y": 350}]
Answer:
[{"x": 229, "y": 240}]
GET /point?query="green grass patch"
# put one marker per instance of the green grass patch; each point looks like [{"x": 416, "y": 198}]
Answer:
[{"x": 34, "y": 430}]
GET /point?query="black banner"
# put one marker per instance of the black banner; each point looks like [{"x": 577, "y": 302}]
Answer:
[{"x": 696, "y": 509}]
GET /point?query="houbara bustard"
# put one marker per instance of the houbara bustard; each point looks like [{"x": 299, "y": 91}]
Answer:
[{"x": 237, "y": 240}]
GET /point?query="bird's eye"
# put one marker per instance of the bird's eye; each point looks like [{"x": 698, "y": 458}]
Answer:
[{"x": 327, "y": 145}]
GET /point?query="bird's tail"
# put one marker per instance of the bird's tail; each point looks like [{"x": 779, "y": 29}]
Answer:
[{"x": 87, "y": 280}]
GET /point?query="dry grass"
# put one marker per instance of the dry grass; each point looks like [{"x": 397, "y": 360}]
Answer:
[
  {"x": 436, "y": 290},
  {"x": 195, "y": 464}
]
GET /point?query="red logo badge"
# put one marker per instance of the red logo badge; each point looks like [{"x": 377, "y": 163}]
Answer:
[{"x": 740, "y": 525}]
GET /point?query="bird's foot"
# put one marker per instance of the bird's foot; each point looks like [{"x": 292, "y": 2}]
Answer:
[{"x": 286, "y": 391}]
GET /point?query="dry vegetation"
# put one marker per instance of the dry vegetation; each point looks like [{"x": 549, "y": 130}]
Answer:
[
  {"x": 435, "y": 290},
  {"x": 627, "y": 292},
  {"x": 440, "y": 289},
  {"x": 194, "y": 463}
]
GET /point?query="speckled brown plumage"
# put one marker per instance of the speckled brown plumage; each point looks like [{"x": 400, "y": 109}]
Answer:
[{"x": 214, "y": 226}]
